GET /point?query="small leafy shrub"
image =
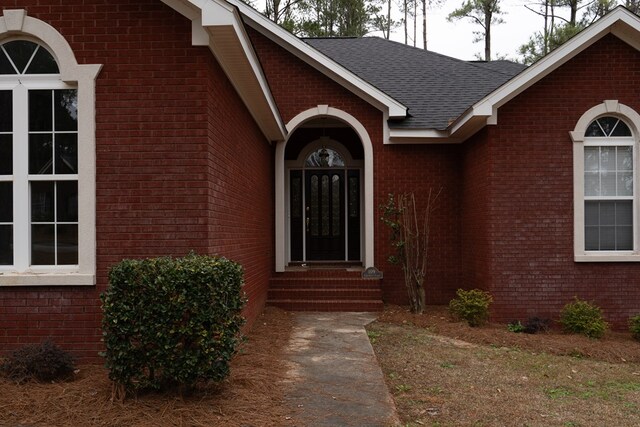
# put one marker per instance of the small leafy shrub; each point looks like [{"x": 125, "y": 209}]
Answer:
[
  {"x": 171, "y": 321},
  {"x": 634, "y": 326},
  {"x": 515, "y": 326},
  {"x": 43, "y": 362},
  {"x": 582, "y": 317},
  {"x": 472, "y": 306},
  {"x": 536, "y": 324}
]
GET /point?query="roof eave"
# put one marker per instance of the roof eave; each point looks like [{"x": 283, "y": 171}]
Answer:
[
  {"x": 218, "y": 25},
  {"x": 321, "y": 62}
]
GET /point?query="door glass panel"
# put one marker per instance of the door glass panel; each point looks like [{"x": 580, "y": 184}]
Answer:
[
  {"x": 335, "y": 204},
  {"x": 296, "y": 197},
  {"x": 354, "y": 197},
  {"x": 324, "y": 205},
  {"x": 315, "y": 217}
]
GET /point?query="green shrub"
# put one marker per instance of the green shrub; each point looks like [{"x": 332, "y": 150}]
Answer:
[
  {"x": 472, "y": 306},
  {"x": 515, "y": 326},
  {"x": 634, "y": 326},
  {"x": 171, "y": 322},
  {"x": 43, "y": 362},
  {"x": 582, "y": 317}
]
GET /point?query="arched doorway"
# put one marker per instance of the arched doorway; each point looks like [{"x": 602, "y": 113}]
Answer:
[
  {"x": 325, "y": 200},
  {"x": 324, "y": 191}
]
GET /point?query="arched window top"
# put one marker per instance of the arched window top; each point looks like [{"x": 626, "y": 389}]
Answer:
[
  {"x": 20, "y": 57},
  {"x": 325, "y": 158},
  {"x": 607, "y": 127}
]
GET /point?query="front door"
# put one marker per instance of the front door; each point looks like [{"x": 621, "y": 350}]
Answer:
[{"x": 324, "y": 214}]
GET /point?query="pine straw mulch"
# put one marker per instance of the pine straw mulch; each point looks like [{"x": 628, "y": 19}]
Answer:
[
  {"x": 253, "y": 395},
  {"x": 614, "y": 347}
]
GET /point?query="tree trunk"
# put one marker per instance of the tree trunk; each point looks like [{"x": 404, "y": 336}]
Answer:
[
  {"x": 406, "y": 34},
  {"x": 388, "y": 20},
  {"x": 415, "y": 22},
  {"x": 487, "y": 34},
  {"x": 424, "y": 23}
]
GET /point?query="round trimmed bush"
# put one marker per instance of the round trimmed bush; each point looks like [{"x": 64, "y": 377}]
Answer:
[
  {"x": 582, "y": 317},
  {"x": 472, "y": 306}
]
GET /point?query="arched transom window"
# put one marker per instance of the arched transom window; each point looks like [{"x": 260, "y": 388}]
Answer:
[{"x": 325, "y": 158}]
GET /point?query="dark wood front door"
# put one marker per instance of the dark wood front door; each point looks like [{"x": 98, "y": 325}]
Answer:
[{"x": 324, "y": 214}]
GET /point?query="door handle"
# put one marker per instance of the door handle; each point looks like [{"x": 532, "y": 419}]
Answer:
[{"x": 308, "y": 220}]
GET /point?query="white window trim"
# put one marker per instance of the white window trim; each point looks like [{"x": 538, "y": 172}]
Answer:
[
  {"x": 16, "y": 24},
  {"x": 631, "y": 118}
]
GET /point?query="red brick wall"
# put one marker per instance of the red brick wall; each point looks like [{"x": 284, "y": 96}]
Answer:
[
  {"x": 297, "y": 87},
  {"x": 531, "y": 199},
  {"x": 170, "y": 129}
]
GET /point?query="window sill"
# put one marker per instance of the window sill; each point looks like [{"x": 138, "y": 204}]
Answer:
[
  {"x": 46, "y": 279},
  {"x": 608, "y": 257}
]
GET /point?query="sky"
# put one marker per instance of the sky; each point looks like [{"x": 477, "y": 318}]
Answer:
[{"x": 456, "y": 38}]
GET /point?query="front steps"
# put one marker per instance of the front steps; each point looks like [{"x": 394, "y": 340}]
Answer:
[{"x": 324, "y": 289}]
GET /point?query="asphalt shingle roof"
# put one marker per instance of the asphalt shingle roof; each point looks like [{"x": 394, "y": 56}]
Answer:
[{"x": 436, "y": 88}]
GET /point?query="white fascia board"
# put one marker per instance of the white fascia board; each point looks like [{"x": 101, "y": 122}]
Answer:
[
  {"x": 619, "y": 22},
  {"x": 208, "y": 14},
  {"x": 322, "y": 63},
  {"x": 421, "y": 136}
]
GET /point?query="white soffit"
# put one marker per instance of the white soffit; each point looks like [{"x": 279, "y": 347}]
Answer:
[
  {"x": 322, "y": 63},
  {"x": 217, "y": 24}
]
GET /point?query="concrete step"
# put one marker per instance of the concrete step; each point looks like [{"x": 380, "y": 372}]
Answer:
[
  {"x": 323, "y": 283},
  {"x": 348, "y": 294},
  {"x": 328, "y": 305}
]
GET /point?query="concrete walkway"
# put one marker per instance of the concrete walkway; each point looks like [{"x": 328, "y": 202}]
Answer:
[{"x": 335, "y": 377}]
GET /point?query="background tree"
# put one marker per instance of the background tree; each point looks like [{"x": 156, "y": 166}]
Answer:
[
  {"x": 484, "y": 13},
  {"x": 556, "y": 33}
]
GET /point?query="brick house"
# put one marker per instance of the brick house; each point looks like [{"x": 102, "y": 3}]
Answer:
[{"x": 138, "y": 128}]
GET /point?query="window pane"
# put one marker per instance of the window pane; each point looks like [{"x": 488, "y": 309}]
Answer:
[
  {"x": 40, "y": 111},
  {"x": 624, "y": 213},
  {"x": 66, "y": 110},
  {"x": 607, "y": 124},
  {"x": 42, "y": 202},
  {"x": 591, "y": 159},
  {"x": 6, "y": 202},
  {"x": 315, "y": 206},
  {"x": 41, "y": 154},
  {"x": 6, "y": 110},
  {"x": 608, "y": 184},
  {"x": 5, "y": 65},
  {"x": 6, "y": 155},
  {"x": 594, "y": 129},
  {"x": 42, "y": 245},
  {"x": 6, "y": 244},
  {"x": 67, "y": 201},
  {"x": 592, "y": 238},
  {"x": 66, "y": 153},
  {"x": 296, "y": 197},
  {"x": 625, "y": 184},
  {"x": 624, "y": 238},
  {"x": 325, "y": 157},
  {"x": 625, "y": 159},
  {"x": 607, "y": 158},
  {"x": 43, "y": 63},
  {"x": 67, "y": 244},
  {"x": 324, "y": 204},
  {"x": 20, "y": 52},
  {"x": 591, "y": 184},
  {"x": 609, "y": 225},
  {"x": 354, "y": 197},
  {"x": 607, "y": 238},
  {"x": 621, "y": 129}
]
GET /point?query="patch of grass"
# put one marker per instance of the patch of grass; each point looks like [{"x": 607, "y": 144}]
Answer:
[
  {"x": 521, "y": 386},
  {"x": 373, "y": 336}
]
